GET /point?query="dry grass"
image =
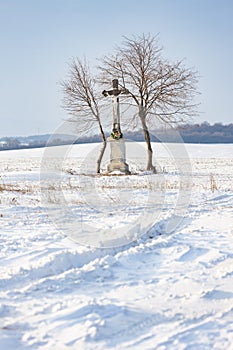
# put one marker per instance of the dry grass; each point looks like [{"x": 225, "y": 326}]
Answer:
[
  {"x": 213, "y": 185},
  {"x": 15, "y": 188}
]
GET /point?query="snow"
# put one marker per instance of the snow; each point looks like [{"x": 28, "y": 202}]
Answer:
[{"x": 158, "y": 290}]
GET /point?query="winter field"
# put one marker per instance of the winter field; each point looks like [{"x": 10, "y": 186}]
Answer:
[{"x": 129, "y": 282}]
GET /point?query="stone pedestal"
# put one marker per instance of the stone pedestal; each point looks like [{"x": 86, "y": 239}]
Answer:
[{"x": 117, "y": 156}]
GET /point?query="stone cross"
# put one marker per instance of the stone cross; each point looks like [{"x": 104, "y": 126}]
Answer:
[
  {"x": 115, "y": 92},
  {"x": 116, "y": 140}
]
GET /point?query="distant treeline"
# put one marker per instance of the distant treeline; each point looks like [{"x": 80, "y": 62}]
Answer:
[
  {"x": 206, "y": 133},
  {"x": 190, "y": 133}
]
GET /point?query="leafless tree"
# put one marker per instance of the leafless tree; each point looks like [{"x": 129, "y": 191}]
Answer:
[
  {"x": 159, "y": 89},
  {"x": 82, "y": 101}
]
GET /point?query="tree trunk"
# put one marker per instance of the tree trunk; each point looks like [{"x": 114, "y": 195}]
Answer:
[
  {"x": 99, "y": 160},
  {"x": 150, "y": 165},
  {"x": 102, "y": 150}
]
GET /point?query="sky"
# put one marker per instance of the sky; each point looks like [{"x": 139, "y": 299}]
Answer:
[{"x": 38, "y": 39}]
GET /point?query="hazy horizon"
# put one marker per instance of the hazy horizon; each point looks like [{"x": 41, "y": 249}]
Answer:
[{"x": 59, "y": 132}]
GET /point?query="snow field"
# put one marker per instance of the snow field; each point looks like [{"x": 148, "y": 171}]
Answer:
[{"x": 163, "y": 291}]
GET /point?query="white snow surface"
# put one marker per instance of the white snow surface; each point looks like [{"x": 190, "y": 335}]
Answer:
[{"x": 162, "y": 291}]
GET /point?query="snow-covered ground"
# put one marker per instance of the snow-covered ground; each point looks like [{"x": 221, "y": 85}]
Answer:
[{"x": 164, "y": 290}]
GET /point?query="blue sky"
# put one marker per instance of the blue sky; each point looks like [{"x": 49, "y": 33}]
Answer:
[{"x": 39, "y": 37}]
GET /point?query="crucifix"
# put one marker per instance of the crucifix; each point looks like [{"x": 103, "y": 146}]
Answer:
[
  {"x": 116, "y": 140},
  {"x": 115, "y": 92}
]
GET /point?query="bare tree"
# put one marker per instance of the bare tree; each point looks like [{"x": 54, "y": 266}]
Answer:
[
  {"x": 82, "y": 101},
  {"x": 159, "y": 89}
]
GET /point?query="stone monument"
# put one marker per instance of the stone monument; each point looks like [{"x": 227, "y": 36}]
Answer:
[{"x": 116, "y": 140}]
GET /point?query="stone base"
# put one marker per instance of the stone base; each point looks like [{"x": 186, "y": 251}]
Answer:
[
  {"x": 118, "y": 166},
  {"x": 117, "y": 156}
]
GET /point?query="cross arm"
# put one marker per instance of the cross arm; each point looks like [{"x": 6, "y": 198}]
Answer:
[{"x": 115, "y": 92}]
